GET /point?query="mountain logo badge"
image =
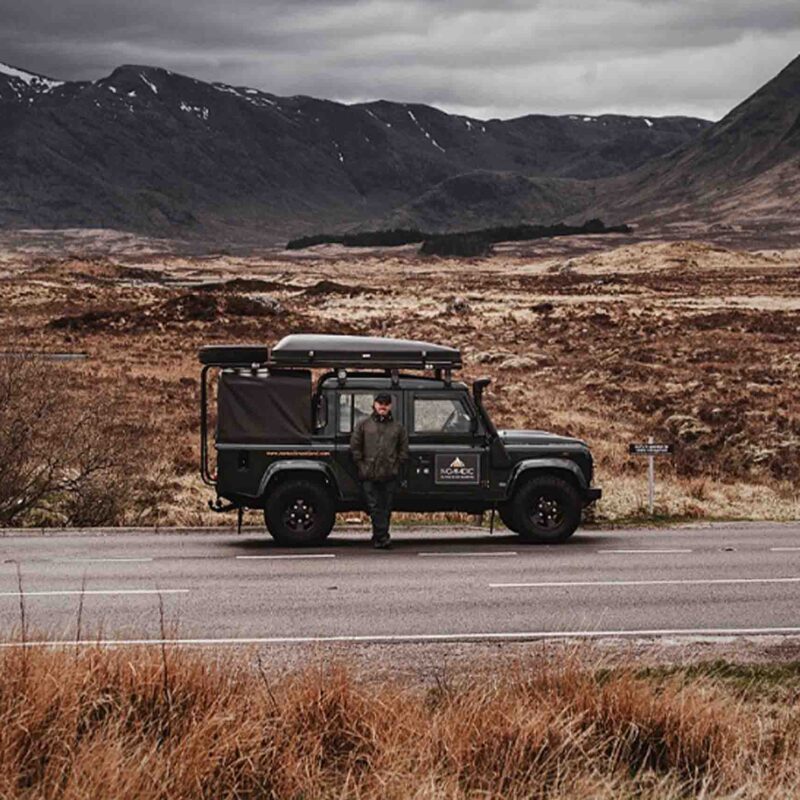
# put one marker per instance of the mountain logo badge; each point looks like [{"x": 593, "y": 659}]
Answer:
[{"x": 462, "y": 469}]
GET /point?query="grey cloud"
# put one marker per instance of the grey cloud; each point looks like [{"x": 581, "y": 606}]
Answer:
[{"x": 504, "y": 58}]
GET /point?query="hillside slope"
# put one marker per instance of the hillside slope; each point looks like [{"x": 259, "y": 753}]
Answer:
[
  {"x": 745, "y": 167},
  {"x": 483, "y": 199}
]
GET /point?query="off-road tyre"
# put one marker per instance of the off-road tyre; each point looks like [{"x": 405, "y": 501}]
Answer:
[
  {"x": 506, "y": 512},
  {"x": 299, "y": 513},
  {"x": 546, "y": 510}
]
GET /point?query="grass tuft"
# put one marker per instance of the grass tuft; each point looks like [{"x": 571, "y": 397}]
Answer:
[{"x": 100, "y": 723}]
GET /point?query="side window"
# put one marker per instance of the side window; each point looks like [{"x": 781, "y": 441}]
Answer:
[
  {"x": 320, "y": 413},
  {"x": 441, "y": 415},
  {"x": 355, "y": 406}
]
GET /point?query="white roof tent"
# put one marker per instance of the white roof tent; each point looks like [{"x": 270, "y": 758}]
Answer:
[{"x": 336, "y": 352}]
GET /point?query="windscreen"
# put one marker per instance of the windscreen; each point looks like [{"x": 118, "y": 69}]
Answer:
[{"x": 261, "y": 408}]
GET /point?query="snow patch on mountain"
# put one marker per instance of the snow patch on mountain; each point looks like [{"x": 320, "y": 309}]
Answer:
[
  {"x": 427, "y": 135},
  {"x": 223, "y": 87},
  {"x": 152, "y": 86},
  {"x": 252, "y": 96},
  {"x": 37, "y": 82},
  {"x": 201, "y": 112}
]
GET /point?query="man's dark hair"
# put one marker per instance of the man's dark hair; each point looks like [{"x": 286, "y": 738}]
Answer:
[{"x": 384, "y": 398}]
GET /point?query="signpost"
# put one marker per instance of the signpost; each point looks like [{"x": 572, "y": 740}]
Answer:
[{"x": 651, "y": 449}]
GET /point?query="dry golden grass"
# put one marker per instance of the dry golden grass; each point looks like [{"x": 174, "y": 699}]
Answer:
[
  {"x": 685, "y": 341},
  {"x": 186, "y": 724}
]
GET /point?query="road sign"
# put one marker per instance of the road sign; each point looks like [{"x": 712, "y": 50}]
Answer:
[{"x": 651, "y": 449}]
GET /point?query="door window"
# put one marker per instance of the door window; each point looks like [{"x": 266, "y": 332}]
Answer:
[
  {"x": 355, "y": 406},
  {"x": 441, "y": 415}
]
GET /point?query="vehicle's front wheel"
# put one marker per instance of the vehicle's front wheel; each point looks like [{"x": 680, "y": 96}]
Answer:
[
  {"x": 299, "y": 513},
  {"x": 546, "y": 510}
]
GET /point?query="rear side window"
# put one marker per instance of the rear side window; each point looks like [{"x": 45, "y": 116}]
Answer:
[
  {"x": 441, "y": 415},
  {"x": 355, "y": 406}
]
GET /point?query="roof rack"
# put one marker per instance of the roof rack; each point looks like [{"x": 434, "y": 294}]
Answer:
[{"x": 338, "y": 352}]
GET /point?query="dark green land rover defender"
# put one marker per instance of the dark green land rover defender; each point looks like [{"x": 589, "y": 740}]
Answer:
[{"x": 284, "y": 416}]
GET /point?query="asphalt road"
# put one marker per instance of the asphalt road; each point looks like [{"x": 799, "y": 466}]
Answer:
[{"x": 435, "y": 585}]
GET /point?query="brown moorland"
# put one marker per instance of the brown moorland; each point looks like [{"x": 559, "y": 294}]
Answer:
[{"x": 609, "y": 338}]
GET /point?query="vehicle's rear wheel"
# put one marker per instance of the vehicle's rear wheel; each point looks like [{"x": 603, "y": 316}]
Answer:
[
  {"x": 299, "y": 513},
  {"x": 546, "y": 510},
  {"x": 506, "y": 512}
]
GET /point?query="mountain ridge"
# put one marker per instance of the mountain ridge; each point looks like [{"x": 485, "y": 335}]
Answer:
[{"x": 153, "y": 151}]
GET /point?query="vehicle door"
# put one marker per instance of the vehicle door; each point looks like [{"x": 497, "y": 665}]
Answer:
[
  {"x": 447, "y": 450},
  {"x": 352, "y": 406}
]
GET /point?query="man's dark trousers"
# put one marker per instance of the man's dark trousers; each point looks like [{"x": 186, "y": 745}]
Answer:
[{"x": 379, "y": 496}]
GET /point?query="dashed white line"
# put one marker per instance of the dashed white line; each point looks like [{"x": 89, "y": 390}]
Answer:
[
  {"x": 784, "y": 549},
  {"x": 674, "y": 550},
  {"x": 467, "y": 555},
  {"x": 675, "y": 582},
  {"x": 416, "y": 637},
  {"x": 286, "y": 557},
  {"x": 62, "y": 592},
  {"x": 100, "y": 560}
]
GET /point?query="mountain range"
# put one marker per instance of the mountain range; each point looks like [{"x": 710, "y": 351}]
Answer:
[{"x": 148, "y": 150}]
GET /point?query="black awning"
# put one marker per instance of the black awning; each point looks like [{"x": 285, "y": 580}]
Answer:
[
  {"x": 223, "y": 355},
  {"x": 261, "y": 408}
]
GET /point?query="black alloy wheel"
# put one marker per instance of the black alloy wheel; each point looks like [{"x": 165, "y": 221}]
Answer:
[
  {"x": 299, "y": 513},
  {"x": 299, "y": 517},
  {"x": 547, "y": 509}
]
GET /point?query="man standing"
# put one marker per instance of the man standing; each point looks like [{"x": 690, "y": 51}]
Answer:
[{"x": 379, "y": 445}]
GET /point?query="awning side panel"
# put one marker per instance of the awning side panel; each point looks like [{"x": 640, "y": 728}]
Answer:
[{"x": 264, "y": 409}]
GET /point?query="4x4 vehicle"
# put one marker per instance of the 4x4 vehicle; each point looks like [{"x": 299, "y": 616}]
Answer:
[{"x": 283, "y": 438}]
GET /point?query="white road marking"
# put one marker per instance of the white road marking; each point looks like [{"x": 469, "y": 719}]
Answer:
[
  {"x": 291, "y": 557},
  {"x": 675, "y": 550},
  {"x": 60, "y": 592},
  {"x": 676, "y": 582},
  {"x": 468, "y": 555},
  {"x": 99, "y": 560},
  {"x": 784, "y": 549},
  {"x": 419, "y": 637}
]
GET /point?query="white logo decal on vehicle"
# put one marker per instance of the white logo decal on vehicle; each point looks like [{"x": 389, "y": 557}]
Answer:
[{"x": 458, "y": 469}]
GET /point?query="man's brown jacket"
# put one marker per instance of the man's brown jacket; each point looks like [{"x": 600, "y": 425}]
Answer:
[{"x": 379, "y": 446}]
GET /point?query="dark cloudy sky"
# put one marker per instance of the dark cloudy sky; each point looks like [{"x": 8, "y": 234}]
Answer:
[{"x": 486, "y": 59}]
